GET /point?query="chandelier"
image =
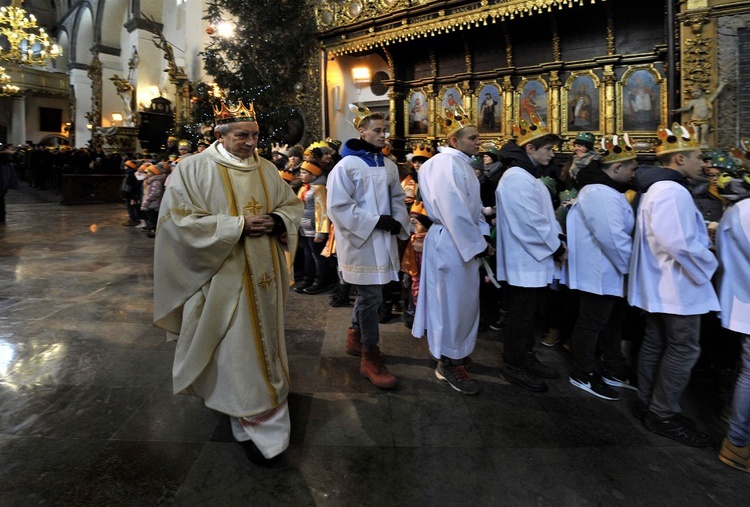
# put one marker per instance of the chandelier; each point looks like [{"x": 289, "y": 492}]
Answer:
[
  {"x": 6, "y": 87},
  {"x": 22, "y": 41}
]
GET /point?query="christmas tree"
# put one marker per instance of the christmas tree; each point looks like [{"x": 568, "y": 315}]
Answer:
[{"x": 262, "y": 61}]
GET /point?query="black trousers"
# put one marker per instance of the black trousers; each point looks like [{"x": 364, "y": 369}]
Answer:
[
  {"x": 523, "y": 304},
  {"x": 599, "y": 323}
]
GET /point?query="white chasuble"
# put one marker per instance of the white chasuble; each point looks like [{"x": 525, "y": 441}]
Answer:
[{"x": 223, "y": 293}]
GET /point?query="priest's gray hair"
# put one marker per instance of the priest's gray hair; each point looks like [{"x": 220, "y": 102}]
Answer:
[{"x": 223, "y": 129}]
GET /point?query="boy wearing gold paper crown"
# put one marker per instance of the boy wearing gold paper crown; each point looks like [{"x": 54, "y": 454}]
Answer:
[
  {"x": 448, "y": 306},
  {"x": 733, "y": 248},
  {"x": 599, "y": 231},
  {"x": 670, "y": 278},
  {"x": 530, "y": 247},
  {"x": 221, "y": 280},
  {"x": 366, "y": 206}
]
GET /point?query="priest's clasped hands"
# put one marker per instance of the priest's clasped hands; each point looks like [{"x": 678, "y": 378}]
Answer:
[
  {"x": 257, "y": 225},
  {"x": 388, "y": 223}
]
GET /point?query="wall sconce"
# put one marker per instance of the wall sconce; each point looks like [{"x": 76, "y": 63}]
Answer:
[
  {"x": 116, "y": 117},
  {"x": 361, "y": 75},
  {"x": 89, "y": 126}
]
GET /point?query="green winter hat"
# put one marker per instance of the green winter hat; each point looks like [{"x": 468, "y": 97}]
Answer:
[{"x": 586, "y": 139}]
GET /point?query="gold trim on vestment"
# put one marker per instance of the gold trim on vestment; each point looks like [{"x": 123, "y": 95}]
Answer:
[
  {"x": 277, "y": 273},
  {"x": 247, "y": 278}
]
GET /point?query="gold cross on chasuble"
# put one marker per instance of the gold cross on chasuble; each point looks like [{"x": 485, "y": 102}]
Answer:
[
  {"x": 265, "y": 282},
  {"x": 253, "y": 207}
]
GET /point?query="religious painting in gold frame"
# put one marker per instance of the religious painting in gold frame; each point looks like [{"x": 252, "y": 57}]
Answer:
[
  {"x": 582, "y": 104},
  {"x": 641, "y": 100},
  {"x": 450, "y": 97},
  {"x": 417, "y": 113},
  {"x": 488, "y": 108},
  {"x": 532, "y": 98}
]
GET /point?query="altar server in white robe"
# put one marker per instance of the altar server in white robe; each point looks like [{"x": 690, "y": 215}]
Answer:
[
  {"x": 670, "y": 279},
  {"x": 366, "y": 205},
  {"x": 448, "y": 306},
  {"x": 221, "y": 280},
  {"x": 733, "y": 245},
  {"x": 600, "y": 236},
  {"x": 530, "y": 247}
]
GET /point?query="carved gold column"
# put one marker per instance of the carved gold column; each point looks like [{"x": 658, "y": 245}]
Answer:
[
  {"x": 554, "y": 101},
  {"x": 507, "y": 107},
  {"x": 609, "y": 99}
]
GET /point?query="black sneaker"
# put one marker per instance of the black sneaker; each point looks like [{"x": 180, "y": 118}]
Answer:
[
  {"x": 619, "y": 379},
  {"x": 522, "y": 377},
  {"x": 499, "y": 323},
  {"x": 540, "y": 369},
  {"x": 591, "y": 382},
  {"x": 457, "y": 377},
  {"x": 676, "y": 429}
]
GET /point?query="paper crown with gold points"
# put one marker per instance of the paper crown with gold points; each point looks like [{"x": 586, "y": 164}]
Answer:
[
  {"x": 184, "y": 143},
  {"x": 422, "y": 150},
  {"x": 282, "y": 149},
  {"x": 321, "y": 146},
  {"x": 680, "y": 138},
  {"x": 453, "y": 120},
  {"x": 616, "y": 149},
  {"x": 360, "y": 111},
  {"x": 526, "y": 131},
  {"x": 231, "y": 114}
]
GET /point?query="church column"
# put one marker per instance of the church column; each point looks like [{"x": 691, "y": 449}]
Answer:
[
  {"x": 554, "y": 101},
  {"x": 18, "y": 122},
  {"x": 610, "y": 81},
  {"x": 507, "y": 107}
]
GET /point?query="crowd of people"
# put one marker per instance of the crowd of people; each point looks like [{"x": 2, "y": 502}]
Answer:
[{"x": 625, "y": 266}]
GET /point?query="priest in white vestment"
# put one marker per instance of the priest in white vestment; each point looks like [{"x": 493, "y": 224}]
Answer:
[
  {"x": 448, "y": 306},
  {"x": 221, "y": 280},
  {"x": 366, "y": 205}
]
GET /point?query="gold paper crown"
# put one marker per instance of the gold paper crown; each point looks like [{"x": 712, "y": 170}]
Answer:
[
  {"x": 422, "y": 150},
  {"x": 172, "y": 138},
  {"x": 525, "y": 131},
  {"x": 283, "y": 149},
  {"x": 317, "y": 144},
  {"x": 360, "y": 111},
  {"x": 183, "y": 143},
  {"x": 678, "y": 139},
  {"x": 240, "y": 112},
  {"x": 454, "y": 120},
  {"x": 617, "y": 149}
]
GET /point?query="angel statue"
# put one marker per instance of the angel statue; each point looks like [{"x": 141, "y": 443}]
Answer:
[{"x": 125, "y": 90}]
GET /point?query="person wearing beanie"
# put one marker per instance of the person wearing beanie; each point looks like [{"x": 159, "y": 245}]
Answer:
[
  {"x": 295, "y": 165},
  {"x": 366, "y": 205},
  {"x": 447, "y": 310}
]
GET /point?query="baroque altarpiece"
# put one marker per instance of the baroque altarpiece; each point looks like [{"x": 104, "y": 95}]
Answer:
[{"x": 601, "y": 66}]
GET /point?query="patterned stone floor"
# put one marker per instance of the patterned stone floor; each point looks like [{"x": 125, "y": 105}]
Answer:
[{"x": 87, "y": 415}]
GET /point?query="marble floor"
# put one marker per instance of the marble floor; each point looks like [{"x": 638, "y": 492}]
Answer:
[{"x": 87, "y": 414}]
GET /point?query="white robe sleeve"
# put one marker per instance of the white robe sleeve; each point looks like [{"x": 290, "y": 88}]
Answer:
[
  {"x": 529, "y": 224},
  {"x": 350, "y": 220},
  {"x": 608, "y": 229},
  {"x": 456, "y": 214},
  {"x": 674, "y": 230}
]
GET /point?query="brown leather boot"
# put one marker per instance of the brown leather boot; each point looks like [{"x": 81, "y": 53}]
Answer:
[
  {"x": 372, "y": 367},
  {"x": 353, "y": 343}
]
